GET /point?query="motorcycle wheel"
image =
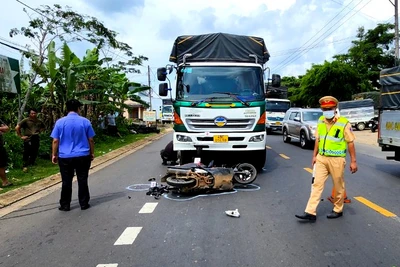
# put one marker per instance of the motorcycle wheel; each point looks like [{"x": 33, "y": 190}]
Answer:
[
  {"x": 373, "y": 129},
  {"x": 245, "y": 173},
  {"x": 179, "y": 183}
]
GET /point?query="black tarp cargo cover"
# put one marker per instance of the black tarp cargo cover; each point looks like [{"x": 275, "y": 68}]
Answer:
[
  {"x": 390, "y": 88},
  {"x": 356, "y": 104},
  {"x": 219, "y": 47}
]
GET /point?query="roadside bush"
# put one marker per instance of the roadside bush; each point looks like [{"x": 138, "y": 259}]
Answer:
[
  {"x": 45, "y": 145},
  {"x": 14, "y": 148}
]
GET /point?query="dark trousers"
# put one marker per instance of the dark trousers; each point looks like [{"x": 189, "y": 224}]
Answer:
[
  {"x": 31, "y": 150},
  {"x": 68, "y": 166},
  {"x": 112, "y": 130}
]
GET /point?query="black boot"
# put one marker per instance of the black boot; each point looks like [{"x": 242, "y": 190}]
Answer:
[
  {"x": 334, "y": 215},
  {"x": 307, "y": 216}
]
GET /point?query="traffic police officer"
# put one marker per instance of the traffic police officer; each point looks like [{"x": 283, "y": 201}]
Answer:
[{"x": 333, "y": 136}]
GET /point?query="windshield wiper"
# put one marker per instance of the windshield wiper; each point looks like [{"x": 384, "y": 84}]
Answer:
[
  {"x": 202, "y": 101},
  {"x": 234, "y": 96}
]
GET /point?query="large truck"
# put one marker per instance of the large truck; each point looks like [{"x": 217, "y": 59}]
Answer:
[
  {"x": 389, "y": 112},
  {"x": 220, "y": 98},
  {"x": 167, "y": 111},
  {"x": 276, "y": 109},
  {"x": 358, "y": 112}
]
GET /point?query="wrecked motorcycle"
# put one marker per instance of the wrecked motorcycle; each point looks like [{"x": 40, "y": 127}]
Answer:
[{"x": 194, "y": 176}]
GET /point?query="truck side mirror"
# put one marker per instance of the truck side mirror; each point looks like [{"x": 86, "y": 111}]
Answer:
[
  {"x": 163, "y": 89},
  {"x": 162, "y": 74},
  {"x": 276, "y": 80}
]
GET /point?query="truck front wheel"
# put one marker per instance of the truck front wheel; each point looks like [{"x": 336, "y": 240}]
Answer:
[{"x": 185, "y": 157}]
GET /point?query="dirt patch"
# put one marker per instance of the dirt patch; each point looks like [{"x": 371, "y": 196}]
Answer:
[{"x": 366, "y": 137}]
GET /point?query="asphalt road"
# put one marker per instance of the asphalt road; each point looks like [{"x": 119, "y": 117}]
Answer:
[{"x": 123, "y": 227}]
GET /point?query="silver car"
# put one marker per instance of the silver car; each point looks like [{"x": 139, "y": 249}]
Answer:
[{"x": 301, "y": 124}]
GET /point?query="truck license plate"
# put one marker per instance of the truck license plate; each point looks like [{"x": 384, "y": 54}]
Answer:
[{"x": 220, "y": 139}]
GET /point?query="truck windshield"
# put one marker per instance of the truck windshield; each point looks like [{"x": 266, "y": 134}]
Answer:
[
  {"x": 277, "y": 106},
  {"x": 220, "y": 83},
  {"x": 167, "y": 109}
]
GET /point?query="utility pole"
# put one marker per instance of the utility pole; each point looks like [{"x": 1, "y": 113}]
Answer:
[
  {"x": 396, "y": 30},
  {"x": 148, "y": 77}
]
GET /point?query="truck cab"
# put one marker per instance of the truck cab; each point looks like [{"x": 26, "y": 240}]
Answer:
[
  {"x": 220, "y": 99},
  {"x": 275, "y": 112},
  {"x": 167, "y": 114}
]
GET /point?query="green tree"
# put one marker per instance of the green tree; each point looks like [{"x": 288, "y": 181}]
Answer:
[
  {"x": 371, "y": 52},
  {"x": 61, "y": 25},
  {"x": 331, "y": 78}
]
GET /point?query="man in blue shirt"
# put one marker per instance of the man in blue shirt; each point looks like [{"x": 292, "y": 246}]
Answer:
[{"x": 73, "y": 149}]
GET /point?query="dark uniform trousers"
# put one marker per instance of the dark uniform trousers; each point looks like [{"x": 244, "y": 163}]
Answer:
[
  {"x": 31, "y": 150},
  {"x": 68, "y": 166}
]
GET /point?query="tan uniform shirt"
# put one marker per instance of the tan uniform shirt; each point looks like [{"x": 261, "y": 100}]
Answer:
[
  {"x": 349, "y": 136},
  {"x": 31, "y": 127}
]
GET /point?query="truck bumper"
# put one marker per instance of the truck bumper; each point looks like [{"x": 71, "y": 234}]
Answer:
[
  {"x": 273, "y": 127},
  {"x": 248, "y": 141}
]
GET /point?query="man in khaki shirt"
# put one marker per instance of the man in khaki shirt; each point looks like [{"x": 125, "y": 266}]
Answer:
[
  {"x": 329, "y": 158},
  {"x": 31, "y": 127}
]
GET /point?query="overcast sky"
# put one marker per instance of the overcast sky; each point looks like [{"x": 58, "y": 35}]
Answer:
[{"x": 151, "y": 26}]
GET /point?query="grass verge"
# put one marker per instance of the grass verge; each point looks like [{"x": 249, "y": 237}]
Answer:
[{"x": 44, "y": 168}]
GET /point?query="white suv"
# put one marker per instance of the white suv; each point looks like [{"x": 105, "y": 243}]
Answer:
[{"x": 300, "y": 124}]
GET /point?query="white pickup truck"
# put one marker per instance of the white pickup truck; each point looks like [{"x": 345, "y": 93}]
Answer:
[
  {"x": 358, "y": 112},
  {"x": 389, "y": 112}
]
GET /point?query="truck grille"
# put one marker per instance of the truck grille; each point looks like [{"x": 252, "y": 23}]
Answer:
[
  {"x": 208, "y": 124},
  {"x": 274, "y": 119},
  {"x": 211, "y": 138}
]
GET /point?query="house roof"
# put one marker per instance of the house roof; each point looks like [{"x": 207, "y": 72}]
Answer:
[{"x": 133, "y": 104}]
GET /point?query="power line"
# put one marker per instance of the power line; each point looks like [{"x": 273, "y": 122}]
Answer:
[
  {"x": 288, "y": 58},
  {"x": 37, "y": 11},
  {"x": 361, "y": 12},
  {"x": 298, "y": 56},
  {"x": 16, "y": 48},
  {"x": 289, "y": 51}
]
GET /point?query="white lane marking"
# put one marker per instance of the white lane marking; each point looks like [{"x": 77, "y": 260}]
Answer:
[
  {"x": 268, "y": 147},
  {"x": 148, "y": 207},
  {"x": 128, "y": 236},
  {"x": 107, "y": 265}
]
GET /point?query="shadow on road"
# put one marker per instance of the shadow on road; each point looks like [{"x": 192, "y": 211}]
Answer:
[{"x": 33, "y": 210}]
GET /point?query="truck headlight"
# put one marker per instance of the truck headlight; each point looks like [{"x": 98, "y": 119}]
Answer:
[
  {"x": 257, "y": 138},
  {"x": 183, "y": 138}
]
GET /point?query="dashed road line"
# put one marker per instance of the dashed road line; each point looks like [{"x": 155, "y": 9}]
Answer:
[
  {"x": 107, "y": 265},
  {"x": 369, "y": 204},
  {"x": 309, "y": 170},
  {"x": 284, "y": 156},
  {"x": 128, "y": 236},
  {"x": 268, "y": 147},
  {"x": 375, "y": 207},
  {"x": 148, "y": 207}
]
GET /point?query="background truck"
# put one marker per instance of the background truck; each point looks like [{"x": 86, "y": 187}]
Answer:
[
  {"x": 275, "y": 109},
  {"x": 220, "y": 97},
  {"x": 358, "y": 112},
  {"x": 389, "y": 112},
  {"x": 167, "y": 111}
]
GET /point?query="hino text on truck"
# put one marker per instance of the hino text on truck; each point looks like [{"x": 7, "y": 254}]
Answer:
[
  {"x": 389, "y": 112},
  {"x": 220, "y": 100}
]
